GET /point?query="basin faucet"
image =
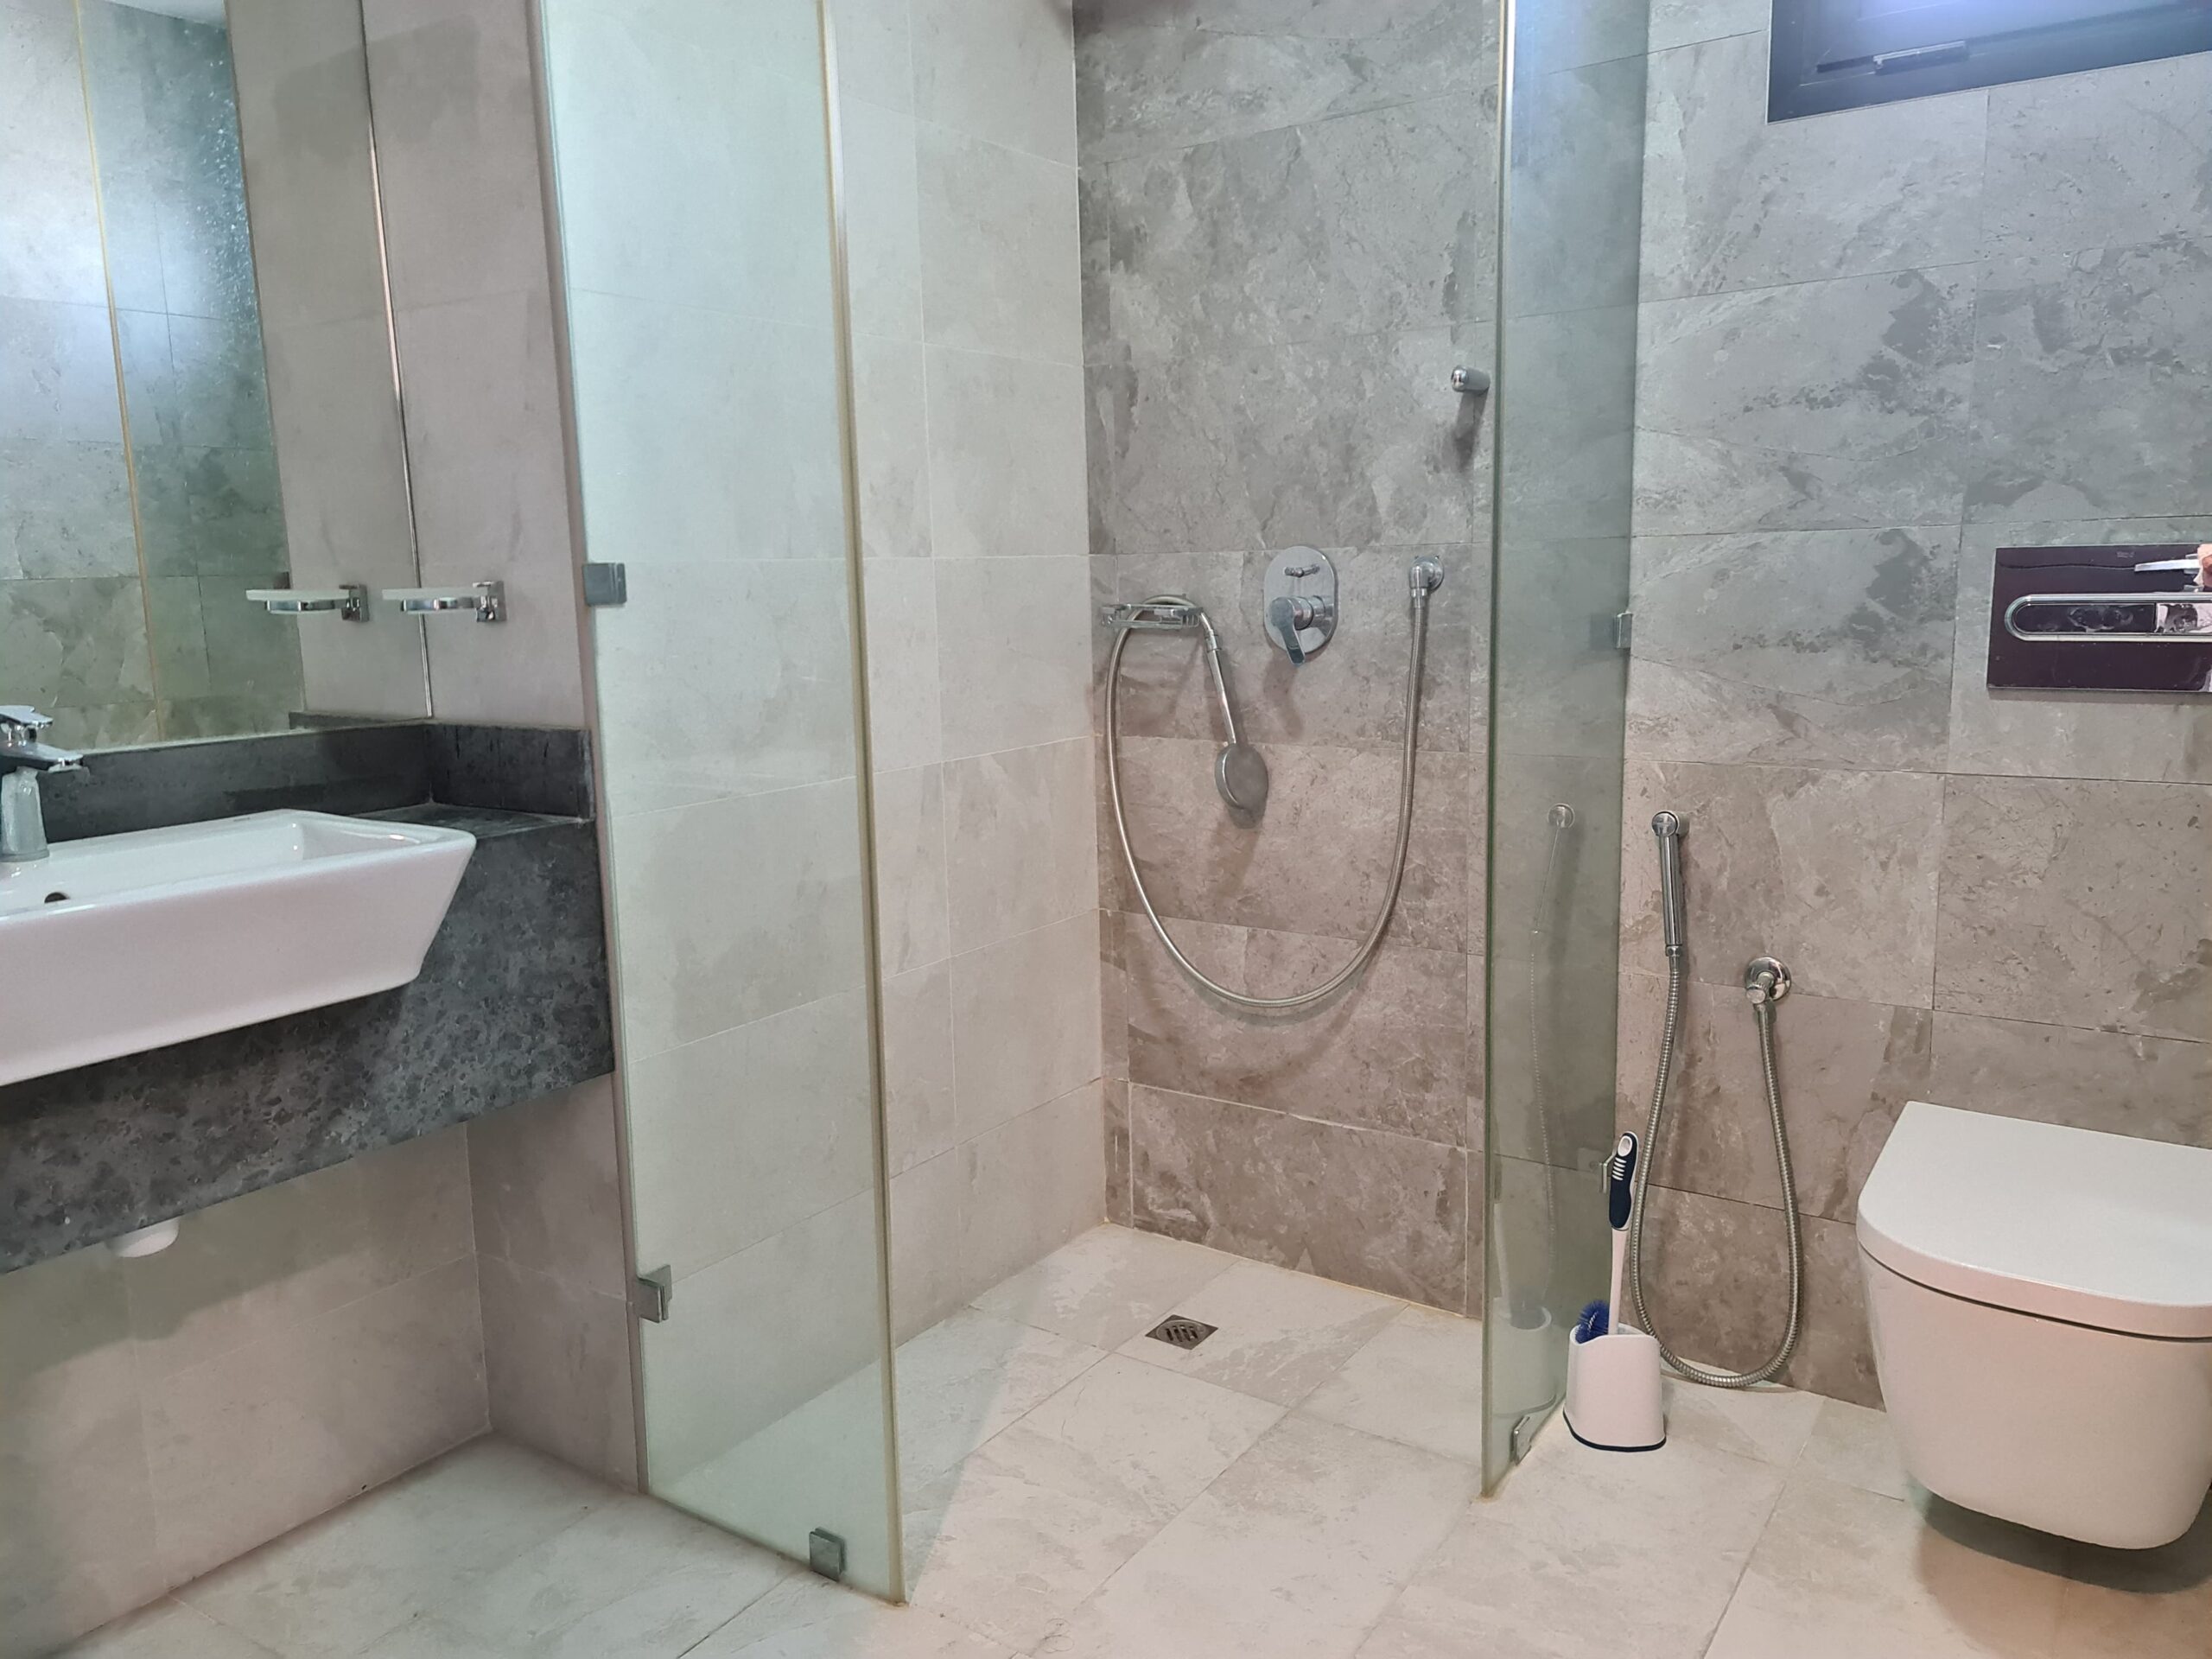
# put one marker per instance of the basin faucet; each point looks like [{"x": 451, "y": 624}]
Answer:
[{"x": 23, "y": 757}]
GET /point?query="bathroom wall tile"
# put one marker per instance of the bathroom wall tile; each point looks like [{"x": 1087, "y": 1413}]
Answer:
[
  {"x": 202, "y": 510},
  {"x": 1351, "y": 441},
  {"x": 1733, "y": 201},
  {"x": 2062, "y": 1074},
  {"x": 635, "y": 86},
  {"x": 1201, "y": 864},
  {"x": 77, "y": 644},
  {"x": 1714, "y": 1275},
  {"x": 49, "y": 221},
  {"x": 1354, "y": 693},
  {"x": 1014, "y": 641},
  {"x": 2110, "y": 158},
  {"x": 1006, "y": 456},
  {"x": 1850, "y": 1068},
  {"x": 891, "y": 442},
  {"x": 65, "y": 510},
  {"x": 929, "y": 1203},
  {"x": 1740, "y": 656},
  {"x": 998, "y": 241},
  {"x": 557, "y": 1368},
  {"x": 918, "y": 1067},
  {"x": 1025, "y": 1021},
  {"x": 1034, "y": 1182},
  {"x": 767, "y": 1330},
  {"x": 2058, "y": 905},
  {"x": 688, "y": 719},
  {"x": 875, "y": 51},
  {"x": 883, "y": 219},
  {"x": 491, "y": 501},
  {"x": 1565, "y": 476},
  {"x": 57, "y": 373},
  {"x": 1019, "y": 847},
  {"x": 912, "y": 921},
  {"x": 1148, "y": 81},
  {"x": 649, "y": 378},
  {"x": 1683, "y": 23},
  {"x": 1866, "y": 426},
  {"x": 1003, "y": 70},
  {"x": 76, "y": 1525},
  {"x": 1119, "y": 1150},
  {"x": 1389, "y": 234},
  {"x": 905, "y": 726},
  {"x": 1390, "y": 1053},
  {"x": 546, "y": 1188},
  {"x": 1095, "y": 217},
  {"x": 1363, "y": 1208},
  {"x": 453, "y": 81},
  {"x": 178, "y": 634},
  {"x": 251, "y": 1444},
  {"x": 746, "y": 1133},
  {"x": 2144, "y": 737},
  {"x": 1578, "y": 157},
  {"x": 1833, "y": 872},
  {"x": 698, "y": 958},
  {"x": 2081, "y": 402},
  {"x": 1568, "y": 37}
]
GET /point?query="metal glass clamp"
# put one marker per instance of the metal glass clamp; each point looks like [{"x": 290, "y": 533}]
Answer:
[
  {"x": 349, "y": 602},
  {"x": 488, "y": 599}
]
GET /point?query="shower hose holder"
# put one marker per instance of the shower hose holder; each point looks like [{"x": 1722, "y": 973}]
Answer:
[{"x": 1613, "y": 1400}]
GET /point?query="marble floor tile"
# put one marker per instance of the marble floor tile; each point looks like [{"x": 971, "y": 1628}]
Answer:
[
  {"x": 807, "y": 1617},
  {"x": 168, "y": 1630},
  {"x": 334, "y": 1585},
  {"x": 963, "y": 1380},
  {"x": 1583, "y": 1555},
  {"x": 1842, "y": 1573},
  {"x": 1770, "y": 1424},
  {"x": 1419, "y": 1383},
  {"x": 1278, "y": 1334},
  {"x": 1112, "y": 1284},
  {"x": 1853, "y": 1445},
  {"x": 1294, "y": 1553},
  {"x": 2147, "y": 1604}
]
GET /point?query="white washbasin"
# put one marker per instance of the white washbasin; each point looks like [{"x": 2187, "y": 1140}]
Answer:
[{"x": 116, "y": 944}]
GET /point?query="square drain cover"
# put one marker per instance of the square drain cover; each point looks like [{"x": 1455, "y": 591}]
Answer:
[{"x": 1177, "y": 1331}]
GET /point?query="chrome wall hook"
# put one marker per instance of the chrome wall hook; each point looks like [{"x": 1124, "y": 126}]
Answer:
[{"x": 1472, "y": 382}]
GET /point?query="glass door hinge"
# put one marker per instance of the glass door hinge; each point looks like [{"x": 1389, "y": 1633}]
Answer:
[
  {"x": 606, "y": 584},
  {"x": 1624, "y": 631},
  {"x": 650, "y": 1294},
  {"x": 825, "y": 1552}
]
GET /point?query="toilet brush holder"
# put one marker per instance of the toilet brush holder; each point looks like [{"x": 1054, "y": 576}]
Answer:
[{"x": 1613, "y": 1402}]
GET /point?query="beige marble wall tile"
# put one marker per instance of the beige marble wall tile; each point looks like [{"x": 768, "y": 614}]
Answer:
[
  {"x": 1025, "y": 1024},
  {"x": 77, "y": 1544},
  {"x": 883, "y": 218},
  {"x": 906, "y": 724},
  {"x": 928, "y": 1208},
  {"x": 1716, "y": 1276},
  {"x": 891, "y": 436},
  {"x": 1847, "y": 1070},
  {"x": 999, "y": 249},
  {"x": 2153, "y": 1088},
  {"x": 913, "y": 923},
  {"x": 558, "y": 1369},
  {"x": 1019, "y": 849},
  {"x": 1034, "y": 1182},
  {"x": 2059, "y": 904},
  {"x": 250, "y": 1444},
  {"x": 1120, "y": 1151},
  {"x": 1006, "y": 456},
  {"x": 1833, "y": 872},
  {"x": 1002, "y": 70},
  {"x": 1391, "y": 1052},
  {"x": 546, "y": 1183},
  {"x": 918, "y": 1064},
  {"x": 1014, "y": 639},
  {"x": 1362, "y": 1207}
]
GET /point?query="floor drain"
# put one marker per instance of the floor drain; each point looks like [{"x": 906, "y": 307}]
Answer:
[{"x": 1176, "y": 1331}]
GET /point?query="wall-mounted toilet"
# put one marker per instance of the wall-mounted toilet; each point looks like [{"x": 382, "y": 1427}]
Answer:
[{"x": 2041, "y": 1299}]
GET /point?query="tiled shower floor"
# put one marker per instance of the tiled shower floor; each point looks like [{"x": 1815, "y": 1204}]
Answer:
[{"x": 1301, "y": 1486}]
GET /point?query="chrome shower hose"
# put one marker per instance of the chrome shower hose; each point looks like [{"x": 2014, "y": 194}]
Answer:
[
  {"x": 1762, "y": 1008},
  {"x": 1366, "y": 953}
]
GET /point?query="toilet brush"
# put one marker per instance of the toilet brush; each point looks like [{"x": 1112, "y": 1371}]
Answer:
[{"x": 1613, "y": 1400}]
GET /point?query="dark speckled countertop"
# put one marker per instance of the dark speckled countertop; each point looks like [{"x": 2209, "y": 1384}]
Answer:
[{"x": 511, "y": 1003}]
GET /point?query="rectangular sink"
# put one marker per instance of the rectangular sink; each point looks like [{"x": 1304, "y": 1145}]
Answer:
[{"x": 117, "y": 943}]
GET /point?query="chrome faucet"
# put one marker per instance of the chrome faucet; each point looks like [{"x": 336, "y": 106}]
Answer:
[{"x": 23, "y": 757}]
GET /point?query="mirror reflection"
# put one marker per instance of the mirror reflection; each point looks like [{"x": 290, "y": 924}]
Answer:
[{"x": 195, "y": 404}]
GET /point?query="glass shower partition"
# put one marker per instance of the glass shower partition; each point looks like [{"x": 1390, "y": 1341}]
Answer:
[
  {"x": 693, "y": 158},
  {"x": 1571, "y": 185}
]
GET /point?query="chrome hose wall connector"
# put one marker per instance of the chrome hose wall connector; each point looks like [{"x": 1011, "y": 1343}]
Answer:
[{"x": 1765, "y": 983}]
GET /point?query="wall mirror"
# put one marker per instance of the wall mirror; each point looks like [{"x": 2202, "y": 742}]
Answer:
[{"x": 199, "y": 393}]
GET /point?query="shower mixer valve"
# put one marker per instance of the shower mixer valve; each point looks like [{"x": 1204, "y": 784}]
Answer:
[{"x": 1298, "y": 602}]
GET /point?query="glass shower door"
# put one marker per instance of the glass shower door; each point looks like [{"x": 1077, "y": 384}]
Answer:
[
  {"x": 1571, "y": 177},
  {"x": 706, "y": 340}
]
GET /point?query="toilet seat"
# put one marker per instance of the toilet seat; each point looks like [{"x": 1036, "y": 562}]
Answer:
[{"x": 2096, "y": 1229}]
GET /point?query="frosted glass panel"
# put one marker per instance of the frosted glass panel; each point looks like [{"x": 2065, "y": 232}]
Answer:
[{"x": 688, "y": 141}]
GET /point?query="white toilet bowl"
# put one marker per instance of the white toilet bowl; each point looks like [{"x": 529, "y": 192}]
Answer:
[{"x": 2041, "y": 1300}]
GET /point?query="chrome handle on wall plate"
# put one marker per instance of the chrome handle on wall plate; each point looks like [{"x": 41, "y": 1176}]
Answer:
[
  {"x": 349, "y": 602},
  {"x": 489, "y": 599},
  {"x": 1298, "y": 602}
]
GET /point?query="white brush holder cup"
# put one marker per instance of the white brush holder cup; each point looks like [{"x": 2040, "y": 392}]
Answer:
[{"x": 1613, "y": 1402}]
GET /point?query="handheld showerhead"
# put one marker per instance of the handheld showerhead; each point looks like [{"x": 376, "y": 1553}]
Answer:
[{"x": 1673, "y": 921}]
